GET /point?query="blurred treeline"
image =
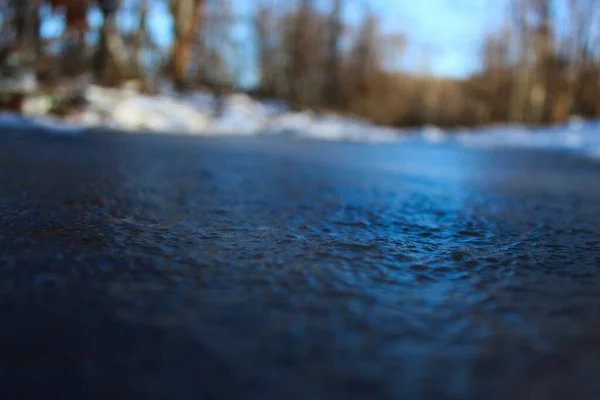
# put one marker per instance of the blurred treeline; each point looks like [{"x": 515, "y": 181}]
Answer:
[{"x": 542, "y": 67}]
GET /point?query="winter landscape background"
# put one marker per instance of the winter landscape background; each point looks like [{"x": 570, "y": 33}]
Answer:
[{"x": 478, "y": 73}]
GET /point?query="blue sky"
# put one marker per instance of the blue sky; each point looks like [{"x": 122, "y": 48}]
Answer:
[{"x": 447, "y": 33}]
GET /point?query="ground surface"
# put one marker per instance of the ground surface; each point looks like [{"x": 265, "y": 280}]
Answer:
[{"x": 161, "y": 267}]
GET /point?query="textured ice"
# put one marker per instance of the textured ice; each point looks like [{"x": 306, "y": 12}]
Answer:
[{"x": 168, "y": 267}]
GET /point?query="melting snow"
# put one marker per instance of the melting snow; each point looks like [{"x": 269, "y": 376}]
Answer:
[
  {"x": 126, "y": 109},
  {"x": 49, "y": 124}
]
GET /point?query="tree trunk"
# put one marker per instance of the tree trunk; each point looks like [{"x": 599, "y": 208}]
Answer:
[
  {"x": 140, "y": 38},
  {"x": 266, "y": 60},
  {"x": 181, "y": 57},
  {"x": 21, "y": 22},
  {"x": 102, "y": 57},
  {"x": 187, "y": 15},
  {"x": 519, "y": 104},
  {"x": 331, "y": 94},
  {"x": 299, "y": 53},
  {"x": 27, "y": 23}
]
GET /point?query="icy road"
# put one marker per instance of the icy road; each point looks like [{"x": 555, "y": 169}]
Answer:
[{"x": 166, "y": 267}]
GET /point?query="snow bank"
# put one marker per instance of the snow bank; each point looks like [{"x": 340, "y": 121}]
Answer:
[
  {"x": 241, "y": 115},
  {"x": 127, "y": 109},
  {"x": 576, "y": 136},
  {"x": 50, "y": 125},
  {"x": 328, "y": 127}
]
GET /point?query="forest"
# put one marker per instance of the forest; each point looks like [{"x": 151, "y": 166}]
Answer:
[{"x": 542, "y": 67}]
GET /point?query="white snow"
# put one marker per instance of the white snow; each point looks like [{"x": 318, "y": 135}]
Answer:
[
  {"x": 50, "y": 125},
  {"x": 241, "y": 115},
  {"x": 433, "y": 134},
  {"x": 168, "y": 112},
  {"x": 55, "y": 126},
  {"x": 10, "y": 120},
  {"x": 24, "y": 82},
  {"x": 37, "y": 105},
  {"x": 576, "y": 136}
]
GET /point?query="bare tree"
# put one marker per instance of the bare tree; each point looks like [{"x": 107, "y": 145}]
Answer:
[
  {"x": 187, "y": 15},
  {"x": 331, "y": 93},
  {"x": 545, "y": 57},
  {"x": 26, "y": 30},
  {"x": 220, "y": 52},
  {"x": 108, "y": 40},
  {"x": 298, "y": 65},
  {"x": 364, "y": 61},
  {"x": 267, "y": 49},
  {"x": 140, "y": 37},
  {"x": 521, "y": 79}
]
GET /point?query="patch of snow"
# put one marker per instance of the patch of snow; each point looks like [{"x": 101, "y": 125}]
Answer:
[
  {"x": 58, "y": 127},
  {"x": 433, "y": 134},
  {"x": 581, "y": 138},
  {"x": 328, "y": 127},
  {"x": 23, "y": 82},
  {"x": 194, "y": 113},
  {"x": 51, "y": 125},
  {"x": 157, "y": 114},
  {"x": 37, "y": 105},
  {"x": 10, "y": 120},
  {"x": 576, "y": 123}
]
